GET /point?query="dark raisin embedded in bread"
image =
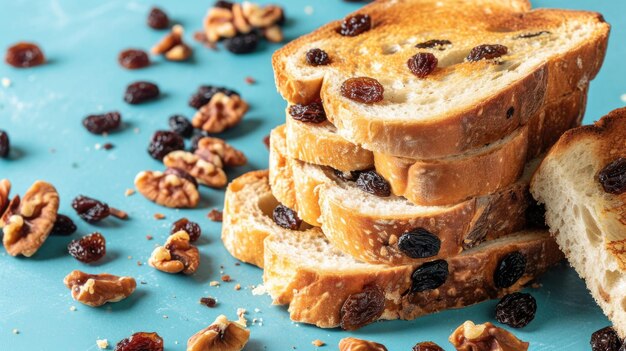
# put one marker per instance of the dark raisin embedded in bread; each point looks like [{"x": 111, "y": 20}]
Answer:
[
  {"x": 613, "y": 177},
  {"x": 429, "y": 276},
  {"x": 373, "y": 183},
  {"x": 363, "y": 89},
  {"x": 286, "y": 217},
  {"x": 509, "y": 270},
  {"x": 439, "y": 44},
  {"x": 487, "y": 52},
  {"x": 355, "y": 25},
  {"x": 349, "y": 176},
  {"x": 532, "y": 35},
  {"x": 311, "y": 113},
  {"x": 362, "y": 308},
  {"x": 317, "y": 57},
  {"x": 419, "y": 243},
  {"x": 422, "y": 64}
]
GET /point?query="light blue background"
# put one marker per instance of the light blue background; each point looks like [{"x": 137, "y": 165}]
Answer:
[{"x": 42, "y": 111}]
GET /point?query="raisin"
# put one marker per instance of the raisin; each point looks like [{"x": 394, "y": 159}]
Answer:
[
  {"x": 363, "y": 89},
  {"x": 532, "y": 35},
  {"x": 158, "y": 19},
  {"x": 24, "y": 55},
  {"x": 104, "y": 123},
  {"x": 141, "y": 341},
  {"x": 108, "y": 146},
  {"x": 605, "y": 339},
  {"x": 422, "y": 64},
  {"x": 373, "y": 183},
  {"x": 428, "y": 276},
  {"x": 510, "y": 112},
  {"x": 419, "y": 243},
  {"x": 208, "y": 301},
  {"x": 286, "y": 217},
  {"x": 192, "y": 228},
  {"x": 89, "y": 248},
  {"x": 434, "y": 44},
  {"x": 509, "y": 270},
  {"x": 350, "y": 176},
  {"x": 266, "y": 141},
  {"x": 311, "y": 113},
  {"x": 487, "y": 52},
  {"x": 427, "y": 346},
  {"x": 90, "y": 210},
  {"x": 355, "y": 25},
  {"x": 205, "y": 93},
  {"x": 163, "y": 142},
  {"x": 613, "y": 177},
  {"x": 5, "y": 145},
  {"x": 181, "y": 125},
  {"x": 139, "y": 92},
  {"x": 362, "y": 308},
  {"x": 133, "y": 59},
  {"x": 63, "y": 226},
  {"x": 536, "y": 215},
  {"x": 317, "y": 57},
  {"x": 181, "y": 174},
  {"x": 516, "y": 310},
  {"x": 222, "y": 4},
  {"x": 243, "y": 43}
]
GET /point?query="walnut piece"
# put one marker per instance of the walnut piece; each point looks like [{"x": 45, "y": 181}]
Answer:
[
  {"x": 97, "y": 289},
  {"x": 167, "y": 190},
  {"x": 204, "y": 171},
  {"x": 222, "y": 335},
  {"x": 172, "y": 46},
  {"x": 485, "y": 337},
  {"x": 230, "y": 156},
  {"x": 262, "y": 16},
  {"x": 274, "y": 34},
  {"x": 5, "y": 190},
  {"x": 177, "y": 255},
  {"x": 239, "y": 20},
  {"x": 218, "y": 24},
  {"x": 354, "y": 344},
  {"x": 222, "y": 112},
  {"x": 27, "y": 222}
]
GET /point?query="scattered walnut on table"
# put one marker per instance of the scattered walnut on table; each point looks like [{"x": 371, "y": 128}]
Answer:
[
  {"x": 176, "y": 256},
  {"x": 97, "y": 289},
  {"x": 172, "y": 46},
  {"x": 218, "y": 24},
  {"x": 27, "y": 222},
  {"x": 168, "y": 190},
  {"x": 354, "y": 344},
  {"x": 273, "y": 34},
  {"x": 230, "y": 156},
  {"x": 485, "y": 337},
  {"x": 204, "y": 171},
  {"x": 222, "y": 112},
  {"x": 221, "y": 335},
  {"x": 5, "y": 190},
  {"x": 262, "y": 16}
]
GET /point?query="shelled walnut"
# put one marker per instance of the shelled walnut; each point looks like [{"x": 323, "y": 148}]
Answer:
[
  {"x": 204, "y": 171},
  {"x": 97, "y": 289},
  {"x": 485, "y": 337},
  {"x": 172, "y": 46},
  {"x": 354, "y": 344},
  {"x": 170, "y": 190},
  {"x": 177, "y": 255},
  {"x": 27, "y": 222},
  {"x": 222, "y": 112},
  {"x": 221, "y": 335},
  {"x": 230, "y": 156},
  {"x": 218, "y": 23},
  {"x": 5, "y": 191}
]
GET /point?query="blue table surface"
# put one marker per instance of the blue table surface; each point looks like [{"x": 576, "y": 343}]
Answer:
[{"x": 42, "y": 110}]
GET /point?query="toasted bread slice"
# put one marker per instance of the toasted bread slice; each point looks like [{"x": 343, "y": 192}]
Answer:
[
  {"x": 304, "y": 270},
  {"x": 462, "y": 105},
  {"x": 588, "y": 221},
  {"x": 370, "y": 228}
]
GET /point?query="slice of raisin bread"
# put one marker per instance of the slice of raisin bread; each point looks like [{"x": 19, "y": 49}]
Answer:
[
  {"x": 582, "y": 182},
  {"x": 327, "y": 288},
  {"x": 473, "y": 97},
  {"x": 374, "y": 229}
]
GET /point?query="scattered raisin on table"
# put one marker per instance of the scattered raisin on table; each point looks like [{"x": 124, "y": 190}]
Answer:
[
  {"x": 286, "y": 217},
  {"x": 317, "y": 57},
  {"x": 427, "y": 346},
  {"x": 223, "y": 4},
  {"x": 181, "y": 174},
  {"x": 139, "y": 92},
  {"x": 349, "y": 176},
  {"x": 311, "y": 113},
  {"x": 509, "y": 270},
  {"x": 192, "y": 228},
  {"x": 355, "y": 25},
  {"x": 163, "y": 142},
  {"x": 613, "y": 177},
  {"x": 516, "y": 310},
  {"x": 536, "y": 215},
  {"x": 208, "y": 301},
  {"x": 63, "y": 226},
  {"x": 429, "y": 276},
  {"x": 373, "y": 183},
  {"x": 204, "y": 94},
  {"x": 141, "y": 341},
  {"x": 103, "y": 123},
  {"x": 362, "y": 308},
  {"x": 363, "y": 89},
  {"x": 605, "y": 339},
  {"x": 419, "y": 243},
  {"x": 24, "y": 55},
  {"x": 89, "y": 209},
  {"x": 89, "y": 248},
  {"x": 5, "y": 145},
  {"x": 181, "y": 125},
  {"x": 133, "y": 59},
  {"x": 487, "y": 52},
  {"x": 158, "y": 19},
  {"x": 243, "y": 43},
  {"x": 439, "y": 44},
  {"x": 422, "y": 64}
]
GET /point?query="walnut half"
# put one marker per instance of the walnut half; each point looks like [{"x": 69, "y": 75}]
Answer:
[
  {"x": 172, "y": 46},
  {"x": 170, "y": 190},
  {"x": 221, "y": 335},
  {"x": 354, "y": 344},
  {"x": 97, "y": 289},
  {"x": 27, "y": 222},
  {"x": 229, "y": 156},
  {"x": 204, "y": 171},
  {"x": 485, "y": 337},
  {"x": 222, "y": 112},
  {"x": 177, "y": 255}
]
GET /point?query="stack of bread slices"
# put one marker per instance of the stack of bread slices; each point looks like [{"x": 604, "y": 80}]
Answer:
[{"x": 398, "y": 185}]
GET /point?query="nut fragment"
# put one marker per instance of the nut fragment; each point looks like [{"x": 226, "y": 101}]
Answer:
[
  {"x": 173, "y": 46},
  {"x": 204, "y": 171},
  {"x": 485, "y": 337},
  {"x": 177, "y": 255},
  {"x": 239, "y": 20},
  {"x": 222, "y": 112},
  {"x": 262, "y": 16},
  {"x": 354, "y": 344},
  {"x": 219, "y": 24},
  {"x": 274, "y": 34},
  {"x": 167, "y": 190},
  {"x": 97, "y": 289},
  {"x": 28, "y": 222},
  {"x": 230, "y": 156},
  {"x": 222, "y": 335},
  {"x": 5, "y": 190}
]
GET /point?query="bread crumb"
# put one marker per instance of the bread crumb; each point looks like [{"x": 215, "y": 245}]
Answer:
[
  {"x": 308, "y": 10},
  {"x": 214, "y": 283},
  {"x": 226, "y": 278},
  {"x": 72, "y": 308},
  {"x": 623, "y": 98},
  {"x": 241, "y": 313},
  {"x": 165, "y": 316},
  {"x": 102, "y": 344},
  {"x": 6, "y": 82},
  {"x": 215, "y": 215},
  {"x": 129, "y": 192},
  {"x": 159, "y": 216},
  {"x": 15, "y": 331},
  {"x": 318, "y": 343},
  {"x": 238, "y": 287},
  {"x": 259, "y": 290},
  {"x": 257, "y": 310},
  {"x": 250, "y": 80}
]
